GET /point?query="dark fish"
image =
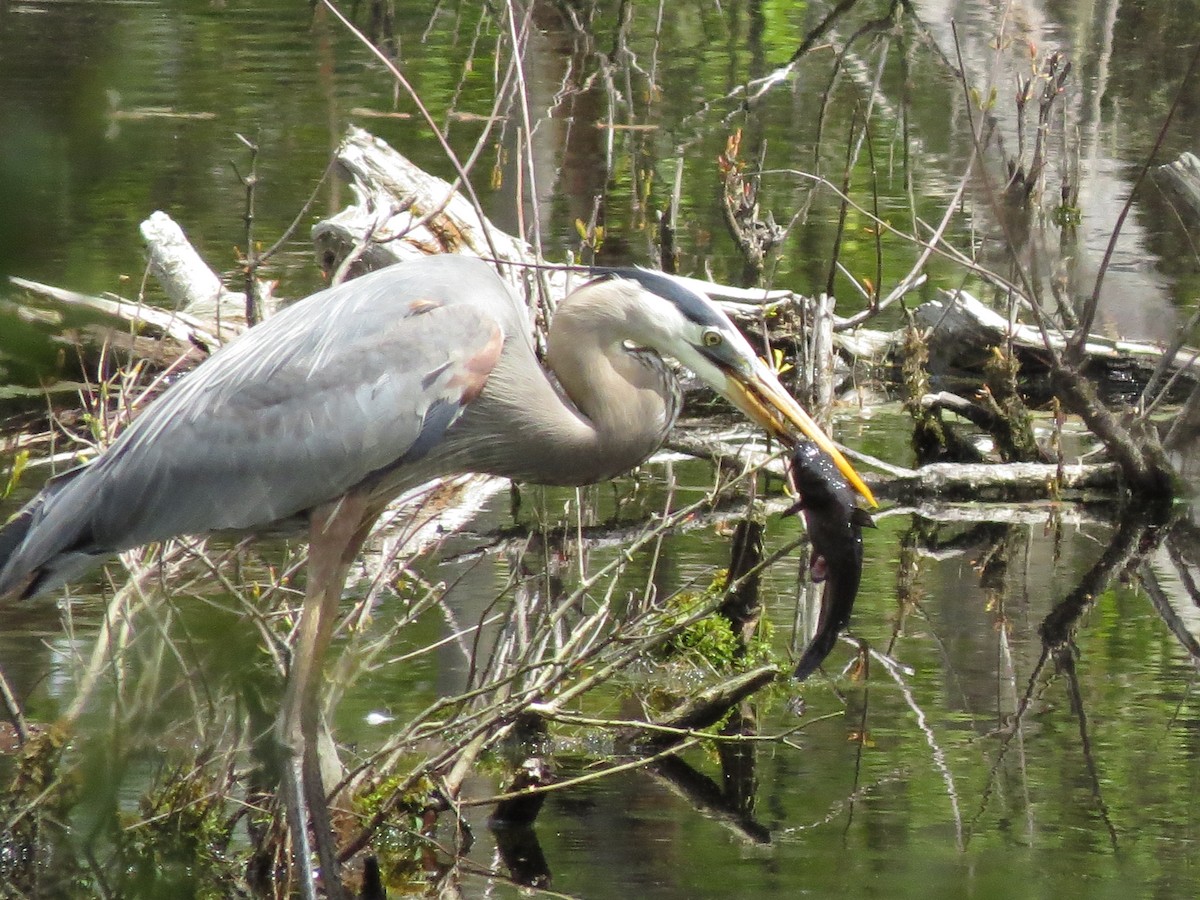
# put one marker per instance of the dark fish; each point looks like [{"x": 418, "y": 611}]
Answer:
[{"x": 835, "y": 522}]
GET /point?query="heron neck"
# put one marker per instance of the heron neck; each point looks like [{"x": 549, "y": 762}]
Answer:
[
  {"x": 624, "y": 401},
  {"x": 611, "y": 409}
]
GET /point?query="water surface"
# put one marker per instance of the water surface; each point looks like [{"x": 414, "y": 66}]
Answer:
[{"x": 913, "y": 777}]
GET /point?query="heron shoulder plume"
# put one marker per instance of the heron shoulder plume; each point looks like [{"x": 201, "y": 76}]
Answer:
[{"x": 320, "y": 399}]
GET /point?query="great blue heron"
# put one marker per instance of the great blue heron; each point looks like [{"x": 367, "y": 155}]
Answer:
[{"x": 327, "y": 411}]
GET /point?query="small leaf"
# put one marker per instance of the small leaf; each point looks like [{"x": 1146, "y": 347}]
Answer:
[
  {"x": 777, "y": 363},
  {"x": 14, "y": 475}
]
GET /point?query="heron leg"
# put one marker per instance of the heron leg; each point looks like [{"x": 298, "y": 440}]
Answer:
[{"x": 337, "y": 531}]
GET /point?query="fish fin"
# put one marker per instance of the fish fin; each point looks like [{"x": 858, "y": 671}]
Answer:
[
  {"x": 818, "y": 569},
  {"x": 862, "y": 518},
  {"x": 793, "y": 509}
]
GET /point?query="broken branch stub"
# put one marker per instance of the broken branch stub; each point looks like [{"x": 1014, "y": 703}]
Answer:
[
  {"x": 402, "y": 212},
  {"x": 186, "y": 278}
]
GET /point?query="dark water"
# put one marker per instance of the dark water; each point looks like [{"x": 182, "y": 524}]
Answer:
[{"x": 909, "y": 778}]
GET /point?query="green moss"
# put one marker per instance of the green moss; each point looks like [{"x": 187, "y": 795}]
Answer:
[
  {"x": 400, "y": 842},
  {"x": 178, "y": 847},
  {"x": 712, "y": 640},
  {"x": 36, "y": 803},
  {"x": 1066, "y": 216}
]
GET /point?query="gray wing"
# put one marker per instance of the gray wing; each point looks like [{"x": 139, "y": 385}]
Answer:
[{"x": 344, "y": 384}]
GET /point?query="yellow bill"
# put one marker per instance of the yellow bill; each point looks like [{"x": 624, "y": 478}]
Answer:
[{"x": 763, "y": 399}]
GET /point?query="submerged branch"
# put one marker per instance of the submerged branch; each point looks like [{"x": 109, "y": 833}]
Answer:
[{"x": 705, "y": 709}]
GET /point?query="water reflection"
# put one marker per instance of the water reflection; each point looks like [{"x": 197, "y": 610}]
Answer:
[
  {"x": 1014, "y": 691},
  {"x": 981, "y": 684},
  {"x": 1171, "y": 585},
  {"x": 1027, "y": 710},
  {"x": 1093, "y": 153}
]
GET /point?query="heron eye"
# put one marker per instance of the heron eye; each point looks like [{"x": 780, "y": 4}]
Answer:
[{"x": 711, "y": 338}]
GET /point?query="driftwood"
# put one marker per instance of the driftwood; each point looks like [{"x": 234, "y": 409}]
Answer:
[
  {"x": 205, "y": 314},
  {"x": 962, "y": 330},
  {"x": 402, "y": 212},
  {"x": 1007, "y": 482},
  {"x": 150, "y": 333},
  {"x": 982, "y": 482},
  {"x": 187, "y": 280}
]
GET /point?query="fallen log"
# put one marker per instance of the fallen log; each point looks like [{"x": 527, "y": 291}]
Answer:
[
  {"x": 153, "y": 334},
  {"x": 975, "y": 482},
  {"x": 402, "y": 212},
  {"x": 1005, "y": 482},
  {"x": 204, "y": 315},
  {"x": 187, "y": 280},
  {"x": 698, "y": 712},
  {"x": 962, "y": 332}
]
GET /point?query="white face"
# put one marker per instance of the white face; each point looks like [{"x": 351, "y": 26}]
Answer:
[
  {"x": 710, "y": 350},
  {"x": 709, "y": 344}
]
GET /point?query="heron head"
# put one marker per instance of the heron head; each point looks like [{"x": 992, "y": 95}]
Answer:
[{"x": 678, "y": 322}]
